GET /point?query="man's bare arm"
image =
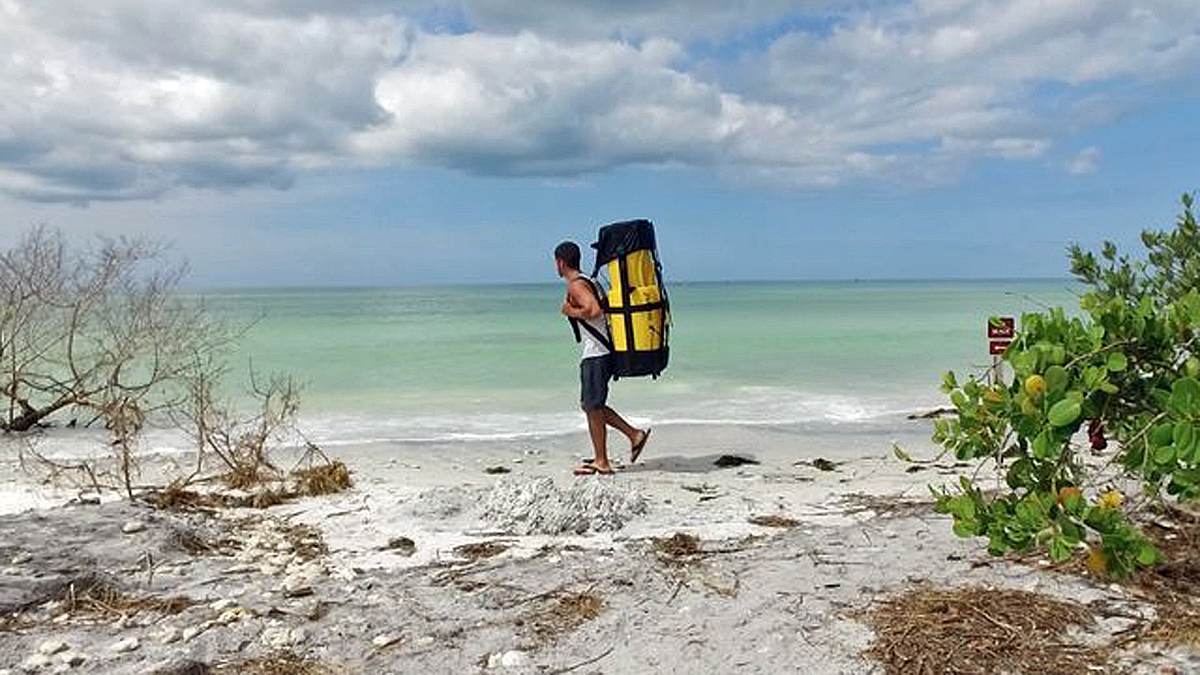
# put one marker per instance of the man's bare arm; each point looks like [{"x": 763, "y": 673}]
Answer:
[{"x": 581, "y": 303}]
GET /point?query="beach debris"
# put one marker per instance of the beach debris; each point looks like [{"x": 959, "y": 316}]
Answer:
[
  {"x": 497, "y": 470},
  {"x": 510, "y": 659},
  {"x": 981, "y": 630},
  {"x": 727, "y": 461},
  {"x": 678, "y": 545},
  {"x": 133, "y": 527},
  {"x": 282, "y": 637},
  {"x": 820, "y": 464},
  {"x": 885, "y": 506},
  {"x": 180, "y": 667},
  {"x": 774, "y": 521},
  {"x": 94, "y": 598},
  {"x": 72, "y": 659},
  {"x": 385, "y": 640},
  {"x": 932, "y": 414},
  {"x": 562, "y": 614},
  {"x": 701, "y": 489},
  {"x": 400, "y": 546},
  {"x": 481, "y": 550},
  {"x": 538, "y": 506},
  {"x": 52, "y": 647},
  {"x": 325, "y": 478},
  {"x": 21, "y": 559},
  {"x": 36, "y": 662},
  {"x": 280, "y": 662},
  {"x": 126, "y": 645}
]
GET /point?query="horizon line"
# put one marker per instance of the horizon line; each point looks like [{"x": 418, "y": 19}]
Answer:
[{"x": 678, "y": 282}]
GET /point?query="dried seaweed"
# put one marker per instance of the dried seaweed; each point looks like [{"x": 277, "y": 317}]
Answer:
[
  {"x": 677, "y": 546},
  {"x": 975, "y": 630},
  {"x": 774, "y": 521},
  {"x": 481, "y": 550},
  {"x": 279, "y": 663},
  {"x": 562, "y": 615},
  {"x": 322, "y": 479}
]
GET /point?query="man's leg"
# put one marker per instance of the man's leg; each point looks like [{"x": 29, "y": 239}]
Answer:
[
  {"x": 614, "y": 420},
  {"x": 599, "y": 434}
]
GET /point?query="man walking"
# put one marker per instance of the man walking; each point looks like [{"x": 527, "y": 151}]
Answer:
[{"x": 582, "y": 305}]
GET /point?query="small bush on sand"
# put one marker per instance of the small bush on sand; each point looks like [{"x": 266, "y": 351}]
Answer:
[{"x": 1127, "y": 368}]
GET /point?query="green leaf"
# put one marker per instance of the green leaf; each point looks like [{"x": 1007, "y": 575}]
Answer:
[
  {"x": 1064, "y": 413},
  {"x": 1147, "y": 555},
  {"x": 1060, "y": 550},
  {"x": 949, "y": 382},
  {"x": 959, "y": 399},
  {"x": 1165, "y": 455},
  {"x": 1185, "y": 395},
  {"x": 1056, "y": 379},
  {"x": 1117, "y": 362},
  {"x": 900, "y": 453},
  {"x": 1163, "y": 434},
  {"x": 1182, "y": 437},
  {"x": 1042, "y": 446}
]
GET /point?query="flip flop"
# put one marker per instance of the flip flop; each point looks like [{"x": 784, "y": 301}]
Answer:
[
  {"x": 590, "y": 470},
  {"x": 637, "y": 449}
]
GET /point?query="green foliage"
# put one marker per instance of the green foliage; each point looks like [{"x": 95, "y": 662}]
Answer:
[{"x": 1127, "y": 362}]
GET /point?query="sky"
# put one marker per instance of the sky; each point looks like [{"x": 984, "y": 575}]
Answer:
[{"x": 323, "y": 142}]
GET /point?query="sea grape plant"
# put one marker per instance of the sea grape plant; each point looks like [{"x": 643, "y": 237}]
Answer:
[{"x": 1127, "y": 368}]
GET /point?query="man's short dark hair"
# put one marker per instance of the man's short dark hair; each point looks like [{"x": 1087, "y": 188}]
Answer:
[{"x": 568, "y": 252}]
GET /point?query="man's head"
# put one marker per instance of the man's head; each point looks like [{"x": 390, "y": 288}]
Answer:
[{"x": 566, "y": 258}]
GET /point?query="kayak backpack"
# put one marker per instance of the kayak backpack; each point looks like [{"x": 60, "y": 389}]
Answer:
[{"x": 628, "y": 282}]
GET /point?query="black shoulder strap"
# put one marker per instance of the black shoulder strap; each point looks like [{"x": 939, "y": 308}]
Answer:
[
  {"x": 601, "y": 337},
  {"x": 576, "y": 323}
]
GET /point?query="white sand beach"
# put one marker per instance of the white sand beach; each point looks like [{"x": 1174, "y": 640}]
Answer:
[{"x": 418, "y": 569}]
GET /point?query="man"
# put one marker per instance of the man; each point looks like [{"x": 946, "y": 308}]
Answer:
[{"x": 582, "y": 304}]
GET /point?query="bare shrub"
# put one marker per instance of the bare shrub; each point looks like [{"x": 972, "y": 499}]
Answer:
[{"x": 100, "y": 334}]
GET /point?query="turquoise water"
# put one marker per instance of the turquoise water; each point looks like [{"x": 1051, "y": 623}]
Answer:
[{"x": 499, "y": 362}]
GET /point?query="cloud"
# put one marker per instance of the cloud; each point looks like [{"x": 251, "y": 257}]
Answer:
[
  {"x": 128, "y": 100},
  {"x": 1087, "y": 161},
  {"x": 133, "y": 99}
]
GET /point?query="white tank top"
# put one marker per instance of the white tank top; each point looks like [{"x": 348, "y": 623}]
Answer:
[{"x": 589, "y": 346}]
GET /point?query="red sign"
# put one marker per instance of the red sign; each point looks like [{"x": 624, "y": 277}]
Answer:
[
  {"x": 1004, "y": 327},
  {"x": 997, "y": 347}
]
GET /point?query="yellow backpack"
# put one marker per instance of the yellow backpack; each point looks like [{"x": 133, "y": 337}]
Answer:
[{"x": 629, "y": 275}]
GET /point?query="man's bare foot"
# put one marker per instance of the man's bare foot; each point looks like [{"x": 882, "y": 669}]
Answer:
[{"x": 636, "y": 450}]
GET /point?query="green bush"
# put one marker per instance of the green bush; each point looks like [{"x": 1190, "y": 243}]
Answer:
[{"x": 1126, "y": 366}]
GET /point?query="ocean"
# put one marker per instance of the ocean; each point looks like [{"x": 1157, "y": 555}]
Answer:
[{"x": 493, "y": 363}]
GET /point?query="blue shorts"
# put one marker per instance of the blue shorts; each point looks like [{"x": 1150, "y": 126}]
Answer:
[{"x": 594, "y": 374}]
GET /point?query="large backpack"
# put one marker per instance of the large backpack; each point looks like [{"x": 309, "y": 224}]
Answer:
[{"x": 628, "y": 281}]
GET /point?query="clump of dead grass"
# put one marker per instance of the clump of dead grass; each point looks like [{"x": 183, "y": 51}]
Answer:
[
  {"x": 322, "y": 479},
  {"x": 677, "y": 546},
  {"x": 563, "y": 615},
  {"x": 774, "y": 521},
  {"x": 980, "y": 631},
  {"x": 95, "y": 598},
  {"x": 278, "y": 663},
  {"x": 306, "y": 540},
  {"x": 481, "y": 550},
  {"x": 886, "y": 506}
]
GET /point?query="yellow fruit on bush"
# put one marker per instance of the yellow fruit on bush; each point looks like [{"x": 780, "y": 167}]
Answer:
[
  {"x": 1111, "y": 500},
  {"x": 1035, "y": 385},
  {"x": 1097, "y": 562}
]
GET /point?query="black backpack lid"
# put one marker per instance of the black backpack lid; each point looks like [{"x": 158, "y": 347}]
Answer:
[{"x": 618, "y": 239}]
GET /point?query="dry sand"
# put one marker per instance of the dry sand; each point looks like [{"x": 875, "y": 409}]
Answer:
[{"x": 431, "y": 564}]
